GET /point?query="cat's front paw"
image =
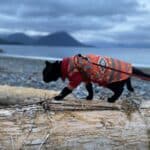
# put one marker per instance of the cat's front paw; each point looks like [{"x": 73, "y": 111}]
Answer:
[
  {"x": 58, "y": 98},
  {"x": 111, "y": 100},
  {"x": 89, "y": 97}
]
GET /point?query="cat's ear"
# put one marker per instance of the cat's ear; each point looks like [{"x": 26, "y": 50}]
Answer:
[{"x": 47, "y": 63}]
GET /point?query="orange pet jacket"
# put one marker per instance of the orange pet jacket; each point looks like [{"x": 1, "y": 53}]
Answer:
[{"x": 77, "y": 70}]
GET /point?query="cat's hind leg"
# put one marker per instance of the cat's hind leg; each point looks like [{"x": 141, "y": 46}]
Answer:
[
  {"x": 117, "y": 88},
  {"x": 89, "y": 88}
]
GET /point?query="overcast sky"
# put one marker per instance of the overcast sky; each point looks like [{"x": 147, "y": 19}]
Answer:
[{"x": 89, "y": 21}]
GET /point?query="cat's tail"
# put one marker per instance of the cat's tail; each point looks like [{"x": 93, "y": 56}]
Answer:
[{"x": 140, "y": 74}]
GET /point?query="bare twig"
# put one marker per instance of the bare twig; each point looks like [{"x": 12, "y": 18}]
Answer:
[
  {"x": 13, "y": 145},
  {"x": 47, "y": 136}
]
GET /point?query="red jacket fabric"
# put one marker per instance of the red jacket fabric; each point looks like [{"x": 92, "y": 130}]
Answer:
[{"x": 78, "y": 70}]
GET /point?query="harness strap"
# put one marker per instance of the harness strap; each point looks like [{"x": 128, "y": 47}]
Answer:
[
  {"x": 107, "y": 67},
  {"x": 81, "y": 70}
]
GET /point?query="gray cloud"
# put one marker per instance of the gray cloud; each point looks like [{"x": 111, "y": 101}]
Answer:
[
  {"x": 79, "y": 8},
  {"x": 89, "y": 20},
  {"x": 137, "y": 35}
]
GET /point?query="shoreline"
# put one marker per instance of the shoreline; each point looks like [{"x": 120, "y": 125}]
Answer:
[
  {"x": 41, "y": 60},
  {"x": 55, "y": 58},
  {"x": 29, "y": 57}
]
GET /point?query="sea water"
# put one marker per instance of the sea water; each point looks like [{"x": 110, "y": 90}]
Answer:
[{"x": 138, "y": 57}]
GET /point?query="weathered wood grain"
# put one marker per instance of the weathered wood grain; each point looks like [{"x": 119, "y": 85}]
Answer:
[{"x": 106, "y": 127}]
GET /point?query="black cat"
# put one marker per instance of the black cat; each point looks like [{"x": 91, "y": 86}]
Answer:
[{"x": 55, "y": 70}]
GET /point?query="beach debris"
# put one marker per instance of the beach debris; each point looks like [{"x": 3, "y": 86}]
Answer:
[
  {"x": 44, "y": 141},
  {"x": 77, "y": 105},
  {"x": 131, "y": 104}
]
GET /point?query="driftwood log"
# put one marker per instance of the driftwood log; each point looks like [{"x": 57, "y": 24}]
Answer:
[{"x": 69, "y": 125}]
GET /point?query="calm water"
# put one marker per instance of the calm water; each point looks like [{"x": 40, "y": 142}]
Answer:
[{"x": 139, "y": 57}]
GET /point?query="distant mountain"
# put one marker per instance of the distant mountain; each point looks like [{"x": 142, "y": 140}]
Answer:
[
  {"x": 63, "y": 39},
  {"x": 55, "y": 39},
  {"x": 2, "y": 41},
  {"x": 20, "y": 38},
  {"x": 59, "y": 39}
]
